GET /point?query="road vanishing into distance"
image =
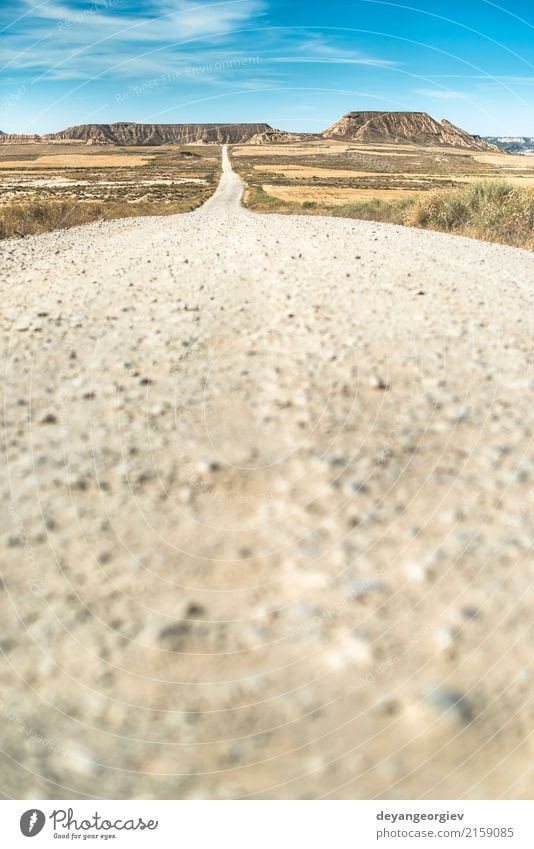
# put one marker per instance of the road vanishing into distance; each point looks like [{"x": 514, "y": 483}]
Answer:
[{"x": 268, "y": 489}]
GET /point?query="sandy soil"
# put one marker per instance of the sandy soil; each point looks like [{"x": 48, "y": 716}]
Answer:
[
  {"x": 78, "y": 160},
  {"x": 333, "y": 196},
  {"x": 518, "y": 163},
  {"x": 308, "y": 171},
  {"x": 320, "y": 148},
  {"x": 268, "y": 496},
  {"x": 302, "y": 171}
]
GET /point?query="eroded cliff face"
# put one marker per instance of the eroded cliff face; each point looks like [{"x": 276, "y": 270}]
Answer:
[
  {"x": 125, "y": 133},
  {"x": 403, "y": 127},
  {"x": 271, "y": 136}
]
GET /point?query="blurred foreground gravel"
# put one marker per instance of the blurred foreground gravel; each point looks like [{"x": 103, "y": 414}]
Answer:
[{"x": 268, "y": 495}]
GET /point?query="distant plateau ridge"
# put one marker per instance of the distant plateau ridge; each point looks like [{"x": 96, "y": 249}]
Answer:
[{"x": 416, "y": 128}]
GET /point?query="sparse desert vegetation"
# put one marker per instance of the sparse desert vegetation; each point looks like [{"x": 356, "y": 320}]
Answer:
[
  {"x": 494, "y": 211},
  {"x": 45, "y": 187},
  {"x": 32, "y": 217},
  {"x": 484, "y": 195}
]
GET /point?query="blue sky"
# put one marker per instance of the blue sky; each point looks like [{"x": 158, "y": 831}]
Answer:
[{"x": 297, "y": 65}]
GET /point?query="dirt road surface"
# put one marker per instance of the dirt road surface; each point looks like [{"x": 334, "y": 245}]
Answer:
[{"x": 268, "y": 495}]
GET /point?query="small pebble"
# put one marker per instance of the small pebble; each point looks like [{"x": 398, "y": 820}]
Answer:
[
  {"x": 48, "y": 418},
  {"x": 378, "y": 382}
]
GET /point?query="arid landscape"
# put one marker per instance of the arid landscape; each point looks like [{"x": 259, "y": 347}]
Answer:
[
  {"x": 44, "y": 185},
  {"x": 267, "y": 346},
  {"x": 402, "y": 168},
  {"x": 395, "y": 183},
  {"x": 269, "y": 488},
  {"x": 332, "y": 173}
]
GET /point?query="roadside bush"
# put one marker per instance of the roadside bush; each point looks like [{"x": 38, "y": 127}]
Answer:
[
  {"x": 494, "y": 211},
  {"x": 376, "y": 209},
  {"x": 33, "y": 217}
]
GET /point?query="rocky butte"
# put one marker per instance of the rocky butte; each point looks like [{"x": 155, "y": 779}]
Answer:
[{"x": 403, "y": 128}]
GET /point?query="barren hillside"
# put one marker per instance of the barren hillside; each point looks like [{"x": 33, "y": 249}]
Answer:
[
  {"x": 271, "y": 136},
  {"x": 396, "y": 127},
  {"x": 365, "y": 127}
]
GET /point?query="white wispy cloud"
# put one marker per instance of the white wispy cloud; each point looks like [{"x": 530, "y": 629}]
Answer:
[
  {"x": 313, "y": 47},
  {"x": 334, "y": 60},
  {"x": 440, "y": 94},
  {"x": 62, "y": 40},
  {"x": 505, "y": 79}
]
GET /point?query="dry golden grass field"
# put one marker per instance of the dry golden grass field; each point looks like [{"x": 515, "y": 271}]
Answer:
[
  {"x": 485, "y": 195},
  {"x": 334, "y": 164},
  {"x": 50, "y": 186}
]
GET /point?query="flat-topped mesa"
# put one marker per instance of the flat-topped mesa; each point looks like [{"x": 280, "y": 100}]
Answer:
[
  {"x": 403, "y": 128},
  {"x": 129, "y": 133},
  {"x": 414, "y": 128}
]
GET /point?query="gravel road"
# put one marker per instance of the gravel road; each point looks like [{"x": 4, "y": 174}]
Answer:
[{"x": 268, "y": 497}]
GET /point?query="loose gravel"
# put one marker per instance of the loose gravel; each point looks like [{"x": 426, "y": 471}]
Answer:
[{"x": 268, "y": 488}]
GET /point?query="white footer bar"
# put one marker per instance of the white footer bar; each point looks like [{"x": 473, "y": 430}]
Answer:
[{"x": 270, "y": 825}]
